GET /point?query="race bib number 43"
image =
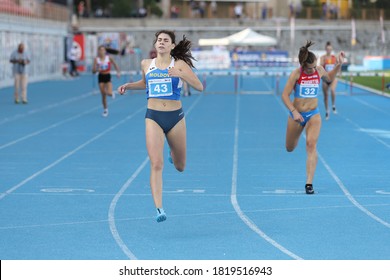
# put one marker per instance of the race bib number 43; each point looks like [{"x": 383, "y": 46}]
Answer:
[{"x": 160, "y": 87}]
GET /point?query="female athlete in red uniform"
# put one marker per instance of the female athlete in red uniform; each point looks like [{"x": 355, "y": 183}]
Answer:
[
  {"x": 304, "y": 82},
  {"x": 102, "y": 64}
]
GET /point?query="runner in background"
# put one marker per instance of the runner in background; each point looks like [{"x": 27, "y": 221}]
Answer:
[
  {"x": 328, "y": 61},
  {"x": 102, "y": 64}
]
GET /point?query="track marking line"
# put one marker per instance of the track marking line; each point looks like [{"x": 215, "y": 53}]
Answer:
[
  {"x": 48, "y": 107},
  {"x": 55, "y": 125},
  {"x": 190, "y": 215},
  {"x": 233, "y": 197},
  {"x": 48, "y": 167},
  {"x": 370, "y": 106}
]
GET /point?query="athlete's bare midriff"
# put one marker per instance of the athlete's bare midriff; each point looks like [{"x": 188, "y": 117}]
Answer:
[
  {"x": 164, "y": 104},
  {"x": 305, "y": 104}
]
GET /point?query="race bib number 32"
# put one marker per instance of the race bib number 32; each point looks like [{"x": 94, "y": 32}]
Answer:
[
  {"x": 309, "y": 91},
  {"x": 160, "y": 87}
]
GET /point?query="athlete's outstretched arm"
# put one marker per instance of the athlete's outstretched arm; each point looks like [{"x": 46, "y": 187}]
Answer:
[
  {"x": 288, "y": 89},
  {"x": 184, "y": 71},
  {"x": 135, "y": 85},
  {"x": 331, "y": 75},
  {"x": 118, "y": 71},
  {"x": 141, "y": 84},
  {"x": 94, "y": 67}
]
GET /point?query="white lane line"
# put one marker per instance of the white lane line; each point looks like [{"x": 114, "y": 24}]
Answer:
[
  {"x": 191, "y": 215},
  {"x": 111, "y": 212},
  {"x": 350, "y": 196},
  {"x": 380, "y": 194},
  {"x": 47, "y": 128},
  {"x": 233, "y": 197},
  {"x": 48, "y": 167},
  {"x": 361, "y": 129},
  {"x": 48, "y": 107},
  {"x": 370, "y": 105},
  {"x": 343, "y": 187}
]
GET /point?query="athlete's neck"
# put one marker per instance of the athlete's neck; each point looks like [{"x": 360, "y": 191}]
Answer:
[{"x": 163, "y": 61}]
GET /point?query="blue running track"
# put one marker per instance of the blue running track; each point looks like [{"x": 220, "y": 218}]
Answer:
[{"x": 75, "y": 185}]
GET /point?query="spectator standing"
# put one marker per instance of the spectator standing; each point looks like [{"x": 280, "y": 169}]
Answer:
[
  {"x": 238, "y": 10},
  {"x": 81, "y": 9},
  {"x": 73, "y": 57},
  {"x": 264, "y": 11},
  {"x": 324, "y": 11},
  {"x": 291, "y": 9},
  {"x": 20, "y": 59},
  {"x": 213, "y": 6},
  {"x": 174, "y": 11},
  {"x": 202, "y": 8}
]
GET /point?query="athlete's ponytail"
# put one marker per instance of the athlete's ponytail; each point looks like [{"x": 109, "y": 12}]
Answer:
[
  {"x": 305, "y": 56},
  {"x": 182, "y": 50}
]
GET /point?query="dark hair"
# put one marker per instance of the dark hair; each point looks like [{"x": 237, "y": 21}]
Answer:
[
  {"x": 182, "y": 50},
  {"x": 328, "y": 44},
  {"x": 305, "y": 56}
]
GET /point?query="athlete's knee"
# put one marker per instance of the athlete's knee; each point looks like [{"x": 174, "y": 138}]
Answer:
[
  {"x": 180, "y": 166},
  {"x": 311, "y": 145},
  {"x": 157, "y": 164}
]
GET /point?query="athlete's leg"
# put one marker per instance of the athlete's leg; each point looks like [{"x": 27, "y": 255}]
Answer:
[
  {"x": 155, "y": 147},
  {"x": 103, "y": 92},
  {"x": 109, "y": 89},
  {"x": 177, "y": 142},
  {"x": 325, "y": 88},
  {"x": 333, "y": 94},
  {"x": 294, "y": 130},
  {"x": 313, "y": 128}
]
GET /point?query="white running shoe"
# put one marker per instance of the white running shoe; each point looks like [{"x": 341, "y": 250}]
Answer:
[
  {"x": 105, "y": 113},
  {"x": 113, "y": 94},
  {"x": 334, "y": 110}
]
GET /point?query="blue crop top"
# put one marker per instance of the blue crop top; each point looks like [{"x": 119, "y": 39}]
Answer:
[
  {"x": 307, "y": 86},
  {"x": 160, "y": 85}
]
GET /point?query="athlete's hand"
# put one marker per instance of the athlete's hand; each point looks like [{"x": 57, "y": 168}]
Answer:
[
  {"x": 174, "y": 72},
  {"x": 297, "y": 116},
  {"x": 341, "y": 57},
  {"x": 122, "y": 89}
]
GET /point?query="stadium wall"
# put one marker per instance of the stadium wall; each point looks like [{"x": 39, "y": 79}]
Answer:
[{"x": 44, "y": 41}]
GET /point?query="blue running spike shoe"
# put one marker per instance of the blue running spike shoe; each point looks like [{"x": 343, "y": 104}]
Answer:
[
  {"x": 161, "y": 216},
  {"x": 170, "y": 156}
]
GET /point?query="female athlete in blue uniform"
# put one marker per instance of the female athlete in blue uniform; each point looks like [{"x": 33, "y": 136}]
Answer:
[
  {"x": 304, "y": 82},
  {"x": 102, "y": 65},
  {"x": 163, "y": 78}
]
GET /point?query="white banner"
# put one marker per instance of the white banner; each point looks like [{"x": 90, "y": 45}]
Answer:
[{"x": 215, "y": 59}]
